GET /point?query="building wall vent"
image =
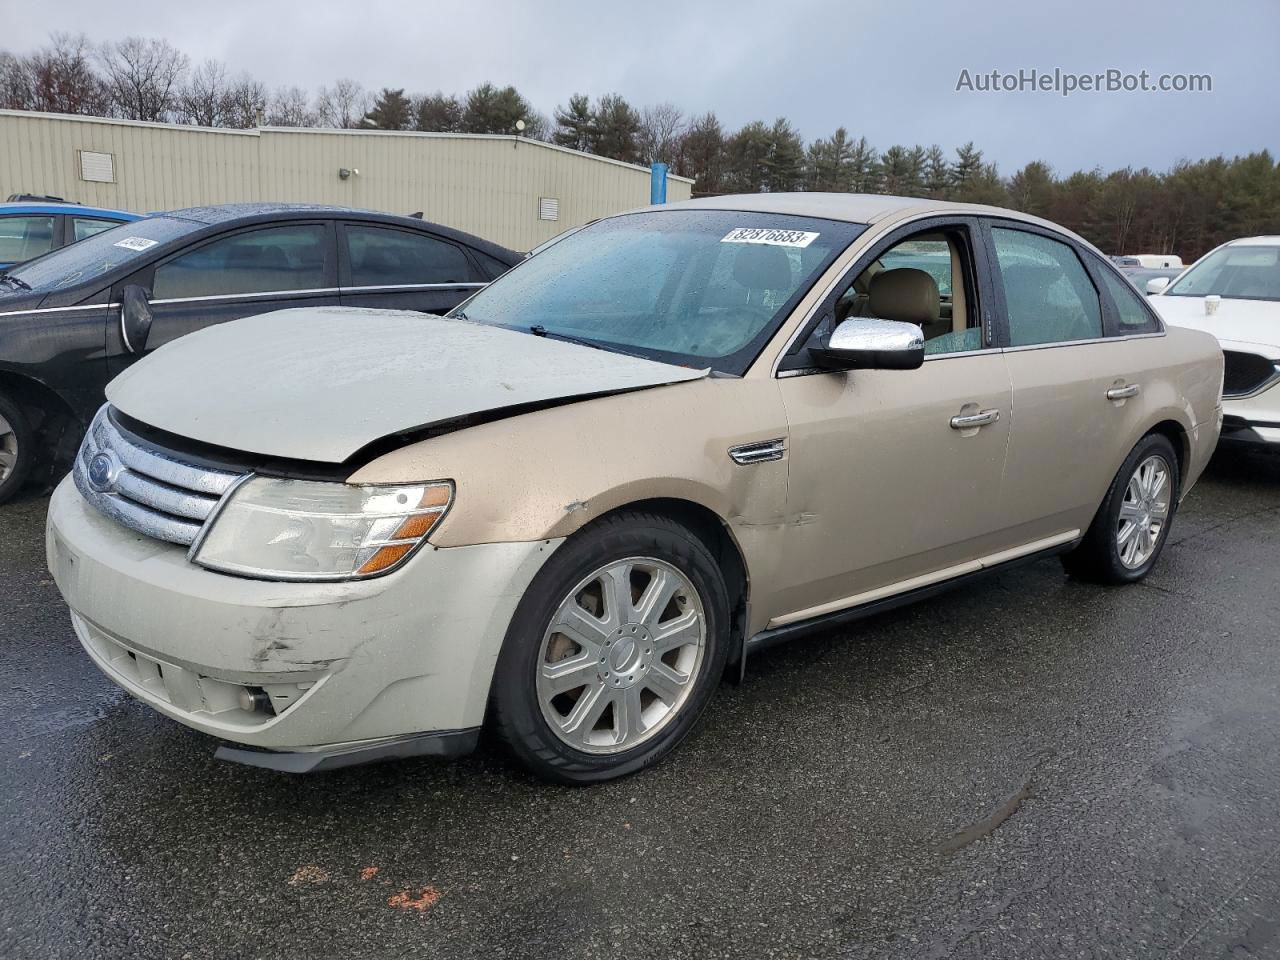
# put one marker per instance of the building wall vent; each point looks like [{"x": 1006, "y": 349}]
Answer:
[{"x": 97, "y": 167}]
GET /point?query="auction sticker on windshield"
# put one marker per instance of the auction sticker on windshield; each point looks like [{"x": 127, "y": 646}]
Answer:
[
  {"x": 776, "y": 238},
  {"x": 142, "y": 243}
]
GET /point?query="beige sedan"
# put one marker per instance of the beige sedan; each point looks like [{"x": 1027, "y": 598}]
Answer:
[{"x": 670, "y": 439}]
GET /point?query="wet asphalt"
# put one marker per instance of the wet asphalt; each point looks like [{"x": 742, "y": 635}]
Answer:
[{"x": 1028, "y": 767}]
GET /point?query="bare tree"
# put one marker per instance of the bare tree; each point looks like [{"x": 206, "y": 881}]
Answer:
[
  {"x": 203, "y": 101},
  {"x": 290, "y": 107},
  {"x": 143, "y": 77},
  {"x": 662, "y": 129},
  {"x": 246, "y": 102},
  {"x": 343, "y": 105},
  {"x": 15, "y": 83},
  {"x": 56, "y": 79}
]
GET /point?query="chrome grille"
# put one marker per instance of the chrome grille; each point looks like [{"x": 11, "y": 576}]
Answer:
[{"x": 145, "y": 487}]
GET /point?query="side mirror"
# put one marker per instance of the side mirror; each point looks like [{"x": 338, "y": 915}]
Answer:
[
  {"x": 1157, "y": 285},
  {"x": 871, "y": 345},
  {"x": 135, "y": 318}
]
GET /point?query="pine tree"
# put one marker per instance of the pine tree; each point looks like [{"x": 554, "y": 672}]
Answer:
[
  {"x": 616, "y": 130},
  {"x": 489, "y": 109},
  {"x": 937, "y": 175},
  {"x": 574, "y": 124},
  {"x": 391, "y": 111},
  {"x": 437, "y": 113}
]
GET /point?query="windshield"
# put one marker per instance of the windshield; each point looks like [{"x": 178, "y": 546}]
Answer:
[
  {"x": 1245, "y": 272},
  {"x": 101, "y": 253},
  {"x": 694, "y": 287}
]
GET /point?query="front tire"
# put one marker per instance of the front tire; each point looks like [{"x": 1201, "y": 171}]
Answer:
[
  {"x": 614, "y": 651},
  {"x": 1129, "y": 530},
  {"x": 17, "y": 442}
]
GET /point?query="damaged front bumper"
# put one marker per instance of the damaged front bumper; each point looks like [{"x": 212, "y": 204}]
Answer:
[{"x": 335, "y": 673}]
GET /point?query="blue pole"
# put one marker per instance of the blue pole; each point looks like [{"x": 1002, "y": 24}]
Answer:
[{"x": 658, "y": 183}]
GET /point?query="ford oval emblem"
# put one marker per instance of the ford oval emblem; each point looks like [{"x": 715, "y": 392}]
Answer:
[{"x": 101, "y": 472}]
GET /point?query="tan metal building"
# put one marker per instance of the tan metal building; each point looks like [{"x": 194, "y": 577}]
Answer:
[{"x": 508, "y": 189}]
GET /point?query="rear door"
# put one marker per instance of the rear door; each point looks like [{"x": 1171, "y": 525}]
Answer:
[
  {"x": 381, "y": 265},
  {"x": 1077, "y": 377},
  {"x": 232, "y": 275}
]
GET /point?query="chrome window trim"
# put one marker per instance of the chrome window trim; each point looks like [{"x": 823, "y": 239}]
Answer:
[
  {"x": 461, "y": 285},
  {"x": 79, "y": 306},
  {"x": 249, "y": 296},
  {"x": 987, "y": 351}
]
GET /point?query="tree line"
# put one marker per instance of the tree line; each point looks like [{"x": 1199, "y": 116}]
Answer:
[{"x": 1187, "y": 209}]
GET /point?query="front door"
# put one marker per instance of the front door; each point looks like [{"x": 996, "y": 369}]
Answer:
[
  {"x": 895, "y": 475},
  {"x": 239, "y": 274}
]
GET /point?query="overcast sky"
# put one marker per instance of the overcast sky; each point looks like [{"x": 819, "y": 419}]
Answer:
[{"x": 887, "y": 70}]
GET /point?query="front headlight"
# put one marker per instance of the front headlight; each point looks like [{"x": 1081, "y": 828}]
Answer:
[{"x": 312, "y": 530}]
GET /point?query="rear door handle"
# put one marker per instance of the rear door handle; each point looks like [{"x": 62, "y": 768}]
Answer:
[
  {"x": 1125, "y": 392},
  {"x": 975, "y": 420}
]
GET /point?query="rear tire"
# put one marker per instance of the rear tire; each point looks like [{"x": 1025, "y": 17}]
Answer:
[
  {"x": 17, "y": 443},
  {"x": 644, "y": 617},
  {"x": 1129, "y": 530}
]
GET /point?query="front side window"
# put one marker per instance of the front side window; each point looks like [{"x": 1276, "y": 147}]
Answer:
[
  {"x": 696, "y": 287},
  {"x": 381, "y": 257},
  {"x": 257, "y": 261},
  {"x": 1048, "y": 295},
  {"x": 917, "y": 280},
  {"x": 83, "y": 227},
  {"x": 22, "y": 238},
  {"x": 1241, "y": 272}
]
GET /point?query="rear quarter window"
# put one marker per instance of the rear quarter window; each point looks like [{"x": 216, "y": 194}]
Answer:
[{"x": 1131, "y": 312}]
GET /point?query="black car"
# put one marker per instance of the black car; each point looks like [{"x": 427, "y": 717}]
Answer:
[{"x": 74, "y": 318}]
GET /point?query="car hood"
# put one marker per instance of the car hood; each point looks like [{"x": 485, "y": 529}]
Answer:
[
  {"x": 319, "y": 384},
  {"x": 1253, "y": 325}
]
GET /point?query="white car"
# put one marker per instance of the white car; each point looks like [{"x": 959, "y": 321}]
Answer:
[{"x": 1233, "y": 292}]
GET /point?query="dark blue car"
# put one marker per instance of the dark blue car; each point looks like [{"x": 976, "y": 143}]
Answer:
[{"x": 30, "y": 230}]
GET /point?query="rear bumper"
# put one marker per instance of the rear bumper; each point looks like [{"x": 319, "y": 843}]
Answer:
[{"x": 352, "y": 670}]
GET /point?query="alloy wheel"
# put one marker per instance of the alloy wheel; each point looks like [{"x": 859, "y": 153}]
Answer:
[
  {"x": 1144, "y": 512},
  {"x": 8, "y": 448},
  {"x": 621, "y": 655}
]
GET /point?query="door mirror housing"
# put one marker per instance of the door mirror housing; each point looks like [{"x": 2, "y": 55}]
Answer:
[
  {"x": 1157, "y": 285},
  {"x": 871, "y": 345},
  {"x": 135, "y": 318}
]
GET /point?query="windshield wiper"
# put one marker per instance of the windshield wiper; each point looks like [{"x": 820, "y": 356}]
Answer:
[{"x": 16, "y": 281}]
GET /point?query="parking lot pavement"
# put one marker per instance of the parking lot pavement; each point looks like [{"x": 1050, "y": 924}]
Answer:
[{"x": 1027, "y": 767}]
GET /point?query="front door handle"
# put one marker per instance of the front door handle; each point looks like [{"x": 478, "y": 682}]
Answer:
[
  {"x": 972, "y": 420},
  {"x": 1125, "y": 392}
]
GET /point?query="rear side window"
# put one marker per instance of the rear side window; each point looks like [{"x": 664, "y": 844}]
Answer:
[
  {"x": 22, "y": 238},
  {"x": 87, "y": 226},
  {"x": 1048, "y": 294},
  {"x": 382, "y": 257},
  {"x": 1129, "y": 307},
  {"x": 257, "y": 261}
]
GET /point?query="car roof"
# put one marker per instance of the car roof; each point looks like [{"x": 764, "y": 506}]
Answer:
[
  {"x": 1272, "y": 241},
  {"x": 70, "y": 208},
  {"x": 850, "y": 207},
  {"x": 219, "y": 214}
]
